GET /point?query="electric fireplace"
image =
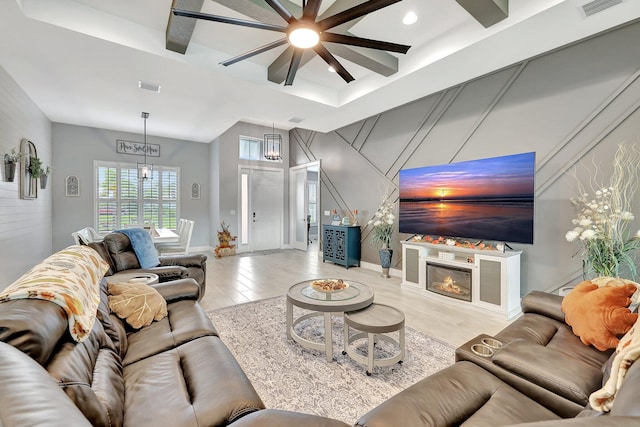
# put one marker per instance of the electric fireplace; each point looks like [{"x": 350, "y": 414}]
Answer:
[{"x": 454, "y": 282}]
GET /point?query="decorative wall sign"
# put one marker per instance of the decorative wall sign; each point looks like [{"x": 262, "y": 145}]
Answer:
[
  {"x": 71, "y": 186},
  {"x": 195, "y": 190},
  {"x": 137, "y": 148},
  {"x": 28, "y": 184}
]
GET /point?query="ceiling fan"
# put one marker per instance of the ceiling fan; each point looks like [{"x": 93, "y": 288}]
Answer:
[{"x": 306, "y": 33}]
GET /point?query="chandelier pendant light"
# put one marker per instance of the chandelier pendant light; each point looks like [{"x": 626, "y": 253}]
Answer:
[
  {"x": 145, "y": 170},
  {"x": 272, "y": 145}
]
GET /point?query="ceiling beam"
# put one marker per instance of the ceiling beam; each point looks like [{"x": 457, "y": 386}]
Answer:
[
  {"x": 486, "y": 12},
  {"x": 179, "y": 28}
]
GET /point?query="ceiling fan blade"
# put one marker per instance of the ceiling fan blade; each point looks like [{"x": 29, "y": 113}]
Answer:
[
  {"x": 226, "y": 20},
  {"x": 293, "y": 67},
  {"x": 362, "y": 42},
  {"x": 281, "y": 10},
  {"x": 310, "y": 12},
  {"x": 354, "y": 12},
  {"x": 332, "y": 61},
  {"x": 255, "y": 52}
]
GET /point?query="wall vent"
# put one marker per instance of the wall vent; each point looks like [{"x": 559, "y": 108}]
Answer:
[
  {"x": 596, "y": 6},
  {"x": 149, "y": 86}
]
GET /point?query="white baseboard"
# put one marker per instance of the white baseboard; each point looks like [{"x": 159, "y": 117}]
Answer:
[{"x": 394, "y": 272}]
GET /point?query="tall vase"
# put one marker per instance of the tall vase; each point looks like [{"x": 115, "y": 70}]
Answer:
[{"x": 385, "y": 261}]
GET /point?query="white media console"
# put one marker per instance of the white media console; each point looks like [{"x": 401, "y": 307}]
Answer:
[{"x": 495, "y": 275}]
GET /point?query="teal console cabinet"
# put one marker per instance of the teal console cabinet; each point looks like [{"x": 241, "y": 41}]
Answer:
[{"x": 341, "y": 245}]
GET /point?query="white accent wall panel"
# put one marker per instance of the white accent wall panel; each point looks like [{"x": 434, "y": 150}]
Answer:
[{"x": 25, "y": 225}]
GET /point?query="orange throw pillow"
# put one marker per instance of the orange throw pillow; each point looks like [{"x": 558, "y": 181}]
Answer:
[{"x": 599, "y": 314}]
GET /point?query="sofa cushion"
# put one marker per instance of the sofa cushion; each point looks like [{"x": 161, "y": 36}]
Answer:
[
  {"x": 122, "y": 254},
  {"x": 185, "y": 321},
  {"x": 137, "y": 303},
  {"x": 113, "y": 326},
  {"x": 38, "y": 338},
  {"x": 198, "y": 383},
  {"x": 599, "y": 314},
  {"x": 90, "y": 373}
]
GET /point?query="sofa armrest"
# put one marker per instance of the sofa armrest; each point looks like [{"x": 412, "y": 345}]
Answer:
[
  {"x": 543, "y": 303},
  {"x": 177, "y": 290},
  {"x": 550, "y": 369},
  {"x": 193, "y": 260},
  {"x": 280, "y": 418},
  {"x": 602, "y": 421},
  {"x": 165, "y": 273},
  {"x": 30, "y": 396}
]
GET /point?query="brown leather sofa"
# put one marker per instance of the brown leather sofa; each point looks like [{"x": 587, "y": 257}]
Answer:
[
  {"x": 174, "y": 372},
  {"x": 116, "y": 249},
  {"x": 542, "y": 376}
]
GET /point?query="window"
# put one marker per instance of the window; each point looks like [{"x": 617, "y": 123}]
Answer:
[
  {"x": 252, "y": 149},
  {"x": 122, "y": 199},
  {"x": 313, "y": 202}
]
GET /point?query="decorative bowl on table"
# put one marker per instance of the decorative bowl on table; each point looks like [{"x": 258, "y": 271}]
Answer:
[{"x": 329, "y": 286}]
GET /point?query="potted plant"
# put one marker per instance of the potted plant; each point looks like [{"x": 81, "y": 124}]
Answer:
[
  {"x": 35, "y": 167},
  {"x": 43, "y": 177},
  {"x": 10, "y": 160},
  {"x": 382, "y": 223}
]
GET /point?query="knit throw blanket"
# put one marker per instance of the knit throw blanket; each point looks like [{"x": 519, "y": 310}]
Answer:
[
  {"x": 142, "y": 245},
  {"x": 69, "y": 278},
  {"x": 627, "y": 352}
]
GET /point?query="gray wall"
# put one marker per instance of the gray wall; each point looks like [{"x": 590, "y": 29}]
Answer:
[
  {"x": 25, "y": 225},
  {"x": 76, "y": 147},
  {"x": 570, "y": 105},
  {"x": 226, "y": 163}
]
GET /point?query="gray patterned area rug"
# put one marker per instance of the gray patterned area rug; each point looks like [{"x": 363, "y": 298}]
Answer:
[{"x": 287, "y": 376}]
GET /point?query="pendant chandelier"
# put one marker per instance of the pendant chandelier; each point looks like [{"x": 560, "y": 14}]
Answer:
[
  {"x": 272, "y": 145},
  {"x": 145, "y": 170}
]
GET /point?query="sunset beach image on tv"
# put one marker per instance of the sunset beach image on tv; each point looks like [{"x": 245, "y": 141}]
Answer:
[{"x": 486, "y": 199}]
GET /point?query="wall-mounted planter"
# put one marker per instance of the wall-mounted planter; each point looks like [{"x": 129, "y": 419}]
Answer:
[
  {"x": 43, "y": 180},
  {"x": 9, "y": 170}
]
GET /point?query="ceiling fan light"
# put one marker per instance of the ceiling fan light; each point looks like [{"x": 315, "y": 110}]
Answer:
[
  {"x": 303, "y": 37},
  {"x": 410, "y": 18}
]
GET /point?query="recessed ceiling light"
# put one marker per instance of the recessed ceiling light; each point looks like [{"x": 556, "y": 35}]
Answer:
[
  {"x": 331, "y": 69},
  {"x": 410, "y": 18},
  {"x": 149, "y": 86}
]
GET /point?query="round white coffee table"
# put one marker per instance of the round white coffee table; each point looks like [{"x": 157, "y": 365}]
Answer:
[
  {"x": 355, "y": 297},
  {"x": 146, "y": 278}
]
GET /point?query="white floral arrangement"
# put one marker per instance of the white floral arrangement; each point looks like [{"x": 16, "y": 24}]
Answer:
[
  {"x": 382, "y": 223},
  {"x": 601, "y": 228}
]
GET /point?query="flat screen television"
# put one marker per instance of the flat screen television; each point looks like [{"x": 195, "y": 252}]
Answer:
[{"x": 486, "y": 199}]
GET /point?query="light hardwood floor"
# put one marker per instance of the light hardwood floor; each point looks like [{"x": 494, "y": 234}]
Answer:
[{"x": 250, "y": 277}]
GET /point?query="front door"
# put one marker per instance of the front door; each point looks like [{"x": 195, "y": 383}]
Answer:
[{"x": 266, "y": 210}]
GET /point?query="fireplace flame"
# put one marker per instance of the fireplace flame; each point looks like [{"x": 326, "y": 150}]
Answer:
[{"x": 449, "y": 285}]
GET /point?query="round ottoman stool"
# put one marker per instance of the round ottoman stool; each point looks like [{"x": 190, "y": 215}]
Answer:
[{"x": 374, "y": 322}]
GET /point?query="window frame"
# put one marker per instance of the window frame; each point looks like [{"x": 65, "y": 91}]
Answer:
[{"x": 160, "y": 202}]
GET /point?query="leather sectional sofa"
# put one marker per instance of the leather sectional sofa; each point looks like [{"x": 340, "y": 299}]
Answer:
[
  {"x": 542, "y": 376},
  {"x": 174, "y": 372}
]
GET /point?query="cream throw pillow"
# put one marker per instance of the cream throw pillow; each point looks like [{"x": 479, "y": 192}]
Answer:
[{"x": 138, "y": 304}]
